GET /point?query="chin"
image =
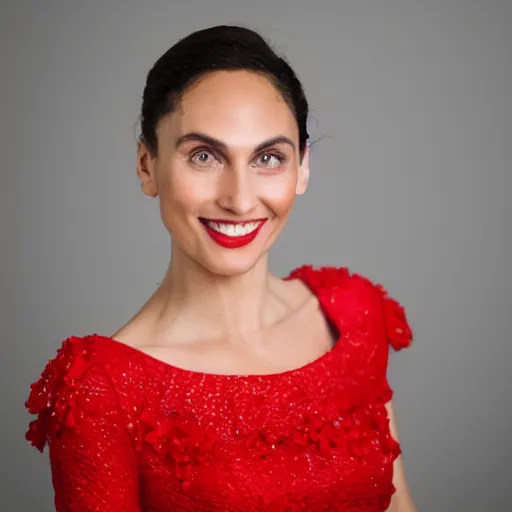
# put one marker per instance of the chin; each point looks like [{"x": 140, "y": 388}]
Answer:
[
  {"x": 231, "y": 265},
  {"x": 220, "y": 260}
]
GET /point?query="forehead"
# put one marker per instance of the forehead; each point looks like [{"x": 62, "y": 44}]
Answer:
[{"x": 237, "y": 107}]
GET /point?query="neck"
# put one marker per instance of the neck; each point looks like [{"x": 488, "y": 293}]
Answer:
[{"x": 192, "y": 302}]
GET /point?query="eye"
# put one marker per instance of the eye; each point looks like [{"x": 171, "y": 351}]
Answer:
[
  {"x": 203, "y": 158},
  {"x": 269, "y": 160}
]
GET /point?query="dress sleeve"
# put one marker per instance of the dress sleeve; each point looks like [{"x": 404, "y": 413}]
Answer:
[
  {"x": 92, "y": 458},
  {"x": 398, "y": 330}
]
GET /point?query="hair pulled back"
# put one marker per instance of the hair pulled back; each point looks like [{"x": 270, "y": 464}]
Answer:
[{"x": 217, "y": 48}]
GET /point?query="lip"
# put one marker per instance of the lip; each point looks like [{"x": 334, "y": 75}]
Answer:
[{"x": 232, "y": 242}]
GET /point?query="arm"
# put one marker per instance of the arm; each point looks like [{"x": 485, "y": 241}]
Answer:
[
  {"x": 93, "y": 465},
  {"x": 401, "y": 500},
  {"x": 92, "y": 459}
]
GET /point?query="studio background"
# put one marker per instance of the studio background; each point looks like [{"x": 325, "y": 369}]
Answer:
[{"x": 412, "y": 104}]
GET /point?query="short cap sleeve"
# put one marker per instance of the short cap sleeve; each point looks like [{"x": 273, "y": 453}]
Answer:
[{"x": 61, "y": 397}]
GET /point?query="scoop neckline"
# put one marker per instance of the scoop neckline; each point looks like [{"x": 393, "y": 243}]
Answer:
[{"x": 326, "y": 312}]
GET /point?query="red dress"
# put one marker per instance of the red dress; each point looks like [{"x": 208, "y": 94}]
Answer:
[{"x": 127, "y": 432}]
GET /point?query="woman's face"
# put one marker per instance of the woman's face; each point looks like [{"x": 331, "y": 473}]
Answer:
[{"x": 227, "y": 170}]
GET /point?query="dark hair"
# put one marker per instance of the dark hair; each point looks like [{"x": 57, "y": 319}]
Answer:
[{"x": 217, "y": 48}]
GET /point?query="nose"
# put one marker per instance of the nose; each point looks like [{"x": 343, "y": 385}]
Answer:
[{"x": 237, "y": 192}]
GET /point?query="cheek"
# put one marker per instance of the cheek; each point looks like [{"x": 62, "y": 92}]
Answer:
[
  {"x": 279, "y": 194},
  {"x": 180, "y": 199},
  {"x": 180, "y": 192}
]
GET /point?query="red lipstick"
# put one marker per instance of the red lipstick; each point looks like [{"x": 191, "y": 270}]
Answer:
[{"x": 232, "y": 241}]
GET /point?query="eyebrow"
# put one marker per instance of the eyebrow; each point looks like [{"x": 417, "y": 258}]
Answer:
[{"x": 206, "y": 139}]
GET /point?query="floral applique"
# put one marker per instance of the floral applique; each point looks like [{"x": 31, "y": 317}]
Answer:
[
  {"x": 320, "y": 432},
  {"x": 361, "y": 431},
  {"x": 180, "y": 438},
  {"x": 53, "y": 396},
  {"x": 397, "y": 327},
  {"x": 262, "y": 441}
]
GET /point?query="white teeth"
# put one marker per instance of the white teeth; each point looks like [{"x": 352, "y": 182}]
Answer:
[{"x": 233, "y": 229}]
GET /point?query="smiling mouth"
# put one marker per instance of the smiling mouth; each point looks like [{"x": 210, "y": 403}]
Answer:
[
  {"x": 232, "y": 234},
  {"x": 232, "y": 228}
]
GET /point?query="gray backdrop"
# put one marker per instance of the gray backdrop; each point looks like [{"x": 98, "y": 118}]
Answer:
[{"x": 410, "y": 184}]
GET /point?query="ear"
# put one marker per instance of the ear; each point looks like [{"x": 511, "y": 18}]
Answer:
[
  {"x": 146, "y": 169},
  {"x": 303, "y": 177}
]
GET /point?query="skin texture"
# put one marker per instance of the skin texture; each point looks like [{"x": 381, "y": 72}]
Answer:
[{"x": 230, "y": 150}]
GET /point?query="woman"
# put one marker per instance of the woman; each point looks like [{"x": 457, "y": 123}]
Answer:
[{"x": 231, "y": 389}]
